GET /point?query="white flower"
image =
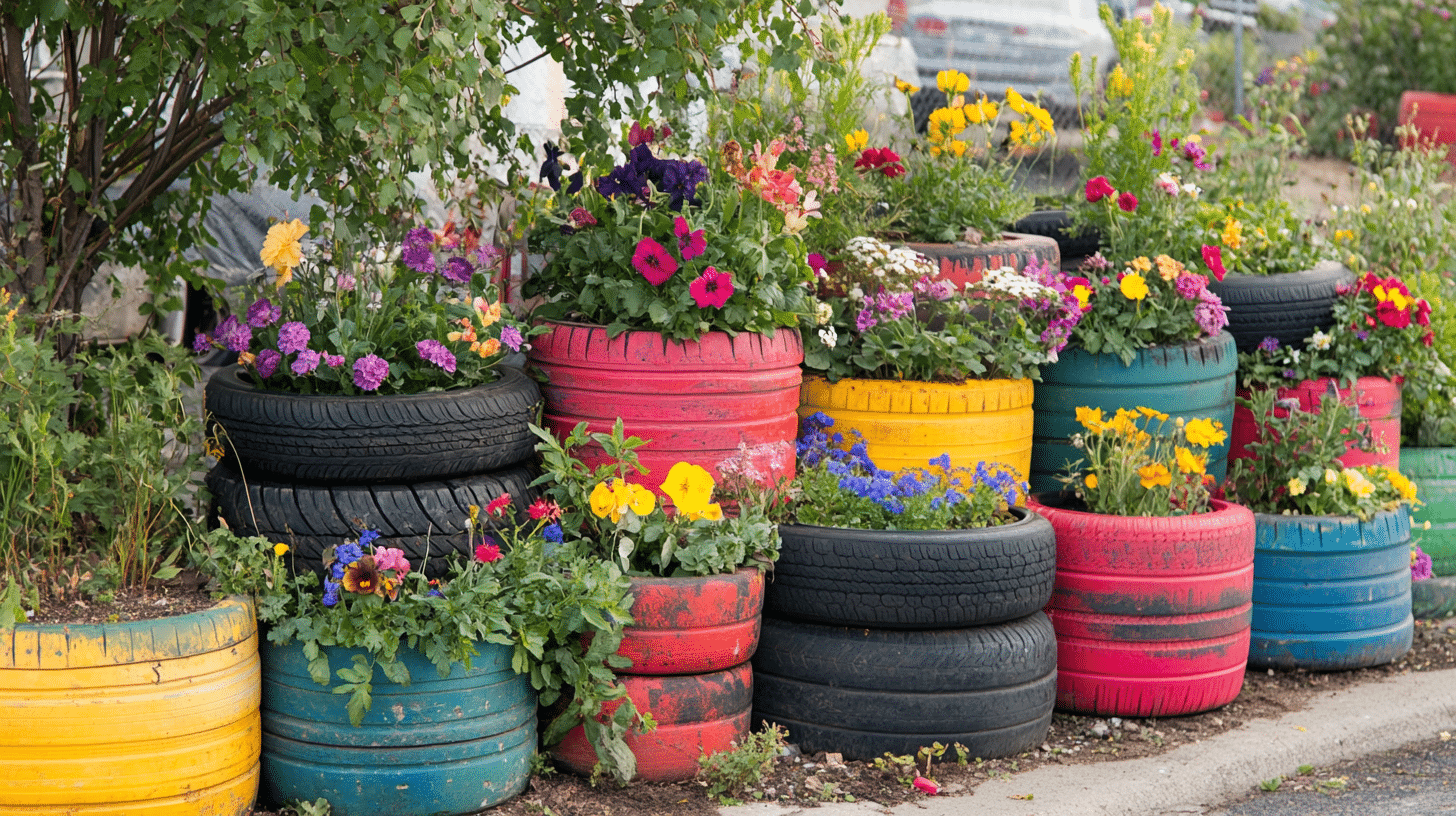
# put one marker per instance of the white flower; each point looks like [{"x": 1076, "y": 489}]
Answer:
[
  {"x": 376, "y": 300},
  {"x": 829, "y": 336},
  {"x": 1442, "y": 370},
  {"x": 1319, "y": 340},
  {"x": 1410, "y": 204},
  {"x": 1168, "y": 183},
  {"x": 1294, "y": 355},
  {"x": 823, "y": 313},
  {"x": 856, "y": 293},
  {"x": 1192, "y": 190}
]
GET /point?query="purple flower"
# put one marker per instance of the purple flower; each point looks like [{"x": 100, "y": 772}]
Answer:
[
  {"x": 305, "y": 363},
  {"x": 263, "y": 313},
  {"x": 1194, "y": 152},
  {"x": 1289, "y": 374},
  {"x": 345, "y": 282},
  {"x": 1211, "y": 316},
  {"x": 1420, "y": 565},
  {"x": 1269, "y": 345},
  {"x": 1190, "y": 286},
  {"x": 293, "y": 336},
  {"x": 331, "y": 592},
  {"x": 552, "y": 533},
  {"x": 366, "y": 539},
  {"x": 459, "y": 270},
  {"x": 487, "y": 255},
  {"x": 370, "y": 372},
  {"x": 419, "y": 258},
  {"x": 435, "y": 352},
  {"x": 332, "y": 360},
  {"x": 865, "y": 321},
  {"x": 233, "y": 335},
  {"x": 511, "y": 337},
  {"x": 267, "y": 362},
  {"x": 201, "y": 342}
]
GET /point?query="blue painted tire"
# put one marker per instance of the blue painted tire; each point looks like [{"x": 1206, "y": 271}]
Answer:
[
  {"x": 1190, "y": 380},
  {"x": 1434, "y": 472},
  {"x": 438, "y": 746},
  {"x": 1331, "y": 592}
]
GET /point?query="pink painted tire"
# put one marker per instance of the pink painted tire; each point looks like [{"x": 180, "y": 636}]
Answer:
[
  {"x": 697, "y": 715},
  {"x": 695, "y": 401},
  {"x": 1152, "y": 615},
  {"x": 1378, "y": 400},
  {"x": 966, "y": 263},
  {"x": 692, "y": 625}
]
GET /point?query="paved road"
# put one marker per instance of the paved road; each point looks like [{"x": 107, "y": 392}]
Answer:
[{"x": 1419, "y": 780}]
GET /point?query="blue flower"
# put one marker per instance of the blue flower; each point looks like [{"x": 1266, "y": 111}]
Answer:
[
  {"x": 366, "y": 538},
  {"x": 942, "y": 461},
  {"x": 954, "y": 497},
  {"x": 892, "y": 504},
  {"x": 349, "y": 552},
  {"x": 336, "y": 571},
  {"x": 858, "y": 485},
  {"x": 552, "y": 533},
  {"x": 331, "y": 592},
  {"x": 880, "y": 488}
]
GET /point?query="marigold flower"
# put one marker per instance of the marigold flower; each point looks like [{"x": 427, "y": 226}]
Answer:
[
  {"x": 1090, "y": 481},
  {"x": 1154, "y": 474},
  {"x": 1204, "y": 432},
  {"x": 1233, "y": 233},
  {"x": 280, "y": 548},
  {"x": 1141, "y": 264},
  {"x": 281, "y": 247},
  {"x": 1190, "y": 462},
  {"x": 952, "y": 81}
]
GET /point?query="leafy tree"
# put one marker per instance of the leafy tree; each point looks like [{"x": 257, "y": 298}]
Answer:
[{"x": 119, "y": 118}]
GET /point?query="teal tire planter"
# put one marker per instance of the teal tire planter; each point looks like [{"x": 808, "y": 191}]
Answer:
[
  {"x": 1189, "y": 380},
  {"x": 437, "y": 746},
  {"x": 1331, "y": 592},
  {"x": 1434, "y": 598},
  {"x": 1434, "y": 472}
]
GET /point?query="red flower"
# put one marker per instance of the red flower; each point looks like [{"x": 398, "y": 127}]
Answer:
[
  {"x": 638, "y": 135},
  {"x": 1127, "y": 202},
  {"x": 1391, "y": 316},
  {"x": 690, "y": 244},
  {"x": 544, "y": 509},
  {"x": 1423, "y": 312},
  {"x": 1098, "y": 189},
  {"x": 580, "y": 218},
  {"x": 653, "y": 261},
  {"x": 1429, "y": 339},
  {"x": 498, "y": 505},
  {"x": 882, "y": 159},
  {"x": 1213, "y": 259},
  {"x": 712, "y": 288},
  {"x": 486, "y": 553}
]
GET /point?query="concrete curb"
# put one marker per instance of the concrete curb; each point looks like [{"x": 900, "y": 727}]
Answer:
[{"x": 1365, "y": 719}]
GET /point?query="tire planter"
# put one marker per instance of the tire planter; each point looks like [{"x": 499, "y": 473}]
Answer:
[
  {"x": 1190, "y": 380},
  {"x": 906, "y": 423},
  {"x": 963, "y": 263},
  {"x": 450, "y": 745},
  {"x": 863, "y": 692},
  {"x": 421, "y": 518},
  {"x": 1434, "y": 472},
  {"x": 1331, "y": 592},
  {"x": 695, "y": 401},
  {"x": 1434, "y": 598},
  {"x": 1289, "y": 306},
  {"x": 696, "y": 714},
  {"x": 372, "y": 438},
  {"x": 903, "y": 579},
  {"x": 1377, "y": 399},
  {"x": 1057, "y": 225},
  {"x": 693, "y": 625},
  {"x": 1434, "y": 116},
  {"x": 1152, "y": 615},
  {"x": 156, "y": 717}
]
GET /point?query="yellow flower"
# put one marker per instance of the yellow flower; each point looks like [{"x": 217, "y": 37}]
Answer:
[
  {"x": 1024, "y": 135},
  {"x": 1141, "y": 264},
  {"x": 1331, "y": 476},
  {"x": 690, "y": 486},
  {"x": 1119, "y": 84},
  {"x": 1133, "y": 286},
  {"x": 1152, "y": 414},
  {"x": 1090, "y": 418},
  {"x": 281, "y": 247},
  {"x": 952, "y": 81},
  {"x": 640, "y": 499},
  {"x": 1233, "y": 233},
  {"x": 713, "y": 512},
  {"x": 1204, "y": 432},
  {"x": 1344, "y": 236},
  {"x": 1168, "y": 268},
  {"x": 1091, "y": 481},
  {"x": 280, "y": 548},
  {"x": 904, "y": 87},
  {"x": 1405, "y": 487},
  {"x": 1154, "y": 474},
  {"x": 981, "y": 111},
  {"x": 944, "y": 124},
  {"x": 1190, "y": 462},
  {"x": 1296, "y": 486},
  {"x": 857, "y": 140},
  {"x": 1015, "y": 101},
  {"x": 1042, "y": 117},
  {"x": 601, "y": 500}
]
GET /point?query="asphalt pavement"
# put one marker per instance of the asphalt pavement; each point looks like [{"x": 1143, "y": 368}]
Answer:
[{"x": 1360, "y": 722}]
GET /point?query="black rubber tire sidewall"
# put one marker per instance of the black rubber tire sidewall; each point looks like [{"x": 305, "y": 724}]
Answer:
[
  {"x": 369, "y": 439},
  {"x": 1057, "y": 225},
  {"x": 1288, "y": 307},
  {"x": 898, "y": 579}
]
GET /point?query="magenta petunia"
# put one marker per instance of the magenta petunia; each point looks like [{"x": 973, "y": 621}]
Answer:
[
  {"x": 653, "y": 261},
  {"x": 712, "y": 288},
  {"x": 267, "y": 362},
  {"x": 306, "y": 361},
  {"x": 333, "y": 360},
  {"x": 690, "y": 244},
  {"x": 370, "y": 372},
  {"x": 435, "y": 352},
  {"x": 1213, "y": 259},
  {"x": 511, "y": 337},
  {"x": 263, "y": 313},
  {"x": 293, "y": 336},
  {"x": 1098, "y": 188}
]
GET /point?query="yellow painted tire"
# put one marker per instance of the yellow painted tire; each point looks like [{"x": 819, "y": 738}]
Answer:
[
  {"x": 906, "y": 424},
  {"x": 156, "y": 717}
]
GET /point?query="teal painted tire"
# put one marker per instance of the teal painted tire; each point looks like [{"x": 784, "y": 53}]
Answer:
[
  {"x": 437, "y": 746},
  {"x": 1434, "y": 472},
  {"x": 1331, "y": 592},
  {"x": 1190, "y": 380},
  {"x": 1434, "y": 598}
]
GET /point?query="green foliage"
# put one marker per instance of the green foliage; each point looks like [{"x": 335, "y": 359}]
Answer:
[
  {"x": 1139, "y": 463},
  {"x": 1147, "y": 303},
  {"x": 1295, "y": 466},
  {"x": 1214, "y": 67},
  {"x": 729, "y": 773},
  {"x": 1254, "y": 156}
]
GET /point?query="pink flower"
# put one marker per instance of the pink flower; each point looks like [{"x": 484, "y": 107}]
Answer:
[
  {"x": 388, "y": 558},
  {"x": 581, "y": 219},
  {"x": 544, "y": 509},
  {"x": 1213, "y": 259},
  {"x": 1127, "y": 202},
  {"x": 712, "y": 288},
  {"x": 486, "y": 553},
  {"x": 1157, "y": 143},
  {"x": 638, "y": 135},
  {"x": 653, "y": 261},
  {"x": 926, "y": 786},
  {"x": 498, "y": 505},
  {"x": 690, "y": 244},
  {"x": 818, "y": 264},
  {"x": 1099, "y": 188}
]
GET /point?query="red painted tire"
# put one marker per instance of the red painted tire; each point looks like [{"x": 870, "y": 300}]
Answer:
[
  {"x": 965, "y": 263},
  {"x": 1379, "y": 403},
  {"x": 693, "y": 625},
  {"x": 1151, "y": 614},
  {"x": 695, "y": 401},
  {"x": 696, "y": 715}
]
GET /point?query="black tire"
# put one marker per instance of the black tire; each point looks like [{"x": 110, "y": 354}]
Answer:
[
  {"x": 372, "y": 439},
  {"x": 1057, "y": 225},
  {"x": 1288, "y": 306},
  {"x": 863, "y": 692},
  {"x": 425, "y": 518},
  {"x": 897, "y": 579}
]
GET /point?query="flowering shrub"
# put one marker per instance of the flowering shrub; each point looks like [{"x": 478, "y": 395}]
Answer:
[
  {"x": 1137, "y": 463},
  {"x": 1295, "y": 469},
  {"x": 423, "y": 316},
  {"x": 1420, "y": 563},
  {"x": 839, "y": 486},
  {"x": 882, "y": 316},
  {"x": 1379, "y": 330},
  {"x": 669, "y": 245},
  {"x": 1145, "y": 303}
]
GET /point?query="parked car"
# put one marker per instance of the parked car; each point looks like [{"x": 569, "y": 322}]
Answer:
[{"x": 1025, "y": 45}]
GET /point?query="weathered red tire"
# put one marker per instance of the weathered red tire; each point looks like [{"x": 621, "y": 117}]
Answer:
[
  {"x": 694, "y": 401},
  {"x": 1377, "y": 398},
  {"x": 1152, "y": 614},
  {"x": 692, "y": 625},
  {"x": 696, "y": 714},
  {"x": 966, "y": 263}
]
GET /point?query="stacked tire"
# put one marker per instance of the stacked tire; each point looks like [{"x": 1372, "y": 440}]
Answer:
[
  {"x": 888, "y": 641},
  {"x": 313, "y": 470}
]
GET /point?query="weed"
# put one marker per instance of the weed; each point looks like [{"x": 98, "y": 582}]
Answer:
[
  {"x": 303, "y": 807},
  {"x": 1271, "y": 785},
  {"x": 729, "y": 773}
]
